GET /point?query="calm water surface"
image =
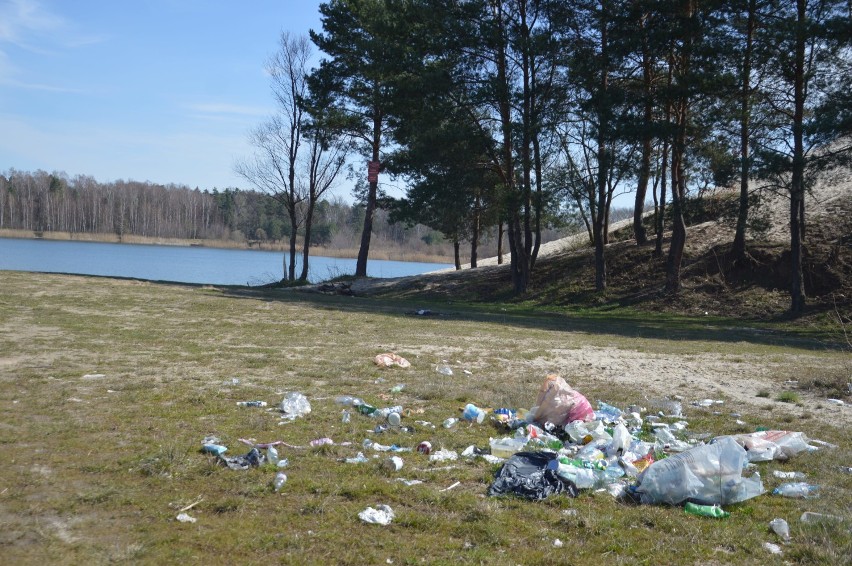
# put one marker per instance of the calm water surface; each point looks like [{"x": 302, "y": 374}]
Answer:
[{"x": 182, "y": 264}]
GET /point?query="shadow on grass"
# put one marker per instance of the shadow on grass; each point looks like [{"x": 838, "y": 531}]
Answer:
[{"x": 606, "y": 320}]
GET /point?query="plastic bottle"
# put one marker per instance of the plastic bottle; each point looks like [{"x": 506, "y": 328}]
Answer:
[
  {"x": 346, "y": 416},
  {"x": 444, "y": 370},
  {"x": 796, "y": 489},
  {"x": 811, "y": 517},
  {"x": 216, "y": 449},
  {"x": 450, "y": 423},
  {"x": 272, "y": 455},
  {"x": 780, "y": 528},
  {"x": 713, "y": 511},
  {"x": 251, "y": 403},
  {"x": 789, "y": 475},
  {"x": 365, "y": 409},
  {"x": 279, "y": 481}
]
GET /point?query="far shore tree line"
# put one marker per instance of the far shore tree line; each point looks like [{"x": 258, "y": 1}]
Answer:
[
  {"x": 497, "y": 115},
  {"x": 52, "y": 202}
]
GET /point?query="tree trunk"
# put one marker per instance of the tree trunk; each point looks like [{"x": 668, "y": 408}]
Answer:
[
  {"x": 456, "y": 254},
  {"x": 678, "y": 242},
  {"x": 797, "y": 186},
  {"x": 739, "y": 247},
  {"x": 291, "y": 269},
  {"x": 474, "y": 236},
  {"x": 639, "y": 231},
  {"x": 660, "y": 223},
  {"x": 366, "y": 234},
  {"x": 500, "y": 243},
  {"x": 309, "y": 220}
]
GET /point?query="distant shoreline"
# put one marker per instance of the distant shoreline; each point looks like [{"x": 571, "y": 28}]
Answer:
[{"x": 376, "y": 252}]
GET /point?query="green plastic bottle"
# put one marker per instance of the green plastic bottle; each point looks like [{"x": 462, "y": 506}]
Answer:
[{"x": 713, "y": 511}]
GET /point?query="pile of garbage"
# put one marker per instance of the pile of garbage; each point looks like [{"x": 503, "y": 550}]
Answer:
[{"x": 562, "y": 445}]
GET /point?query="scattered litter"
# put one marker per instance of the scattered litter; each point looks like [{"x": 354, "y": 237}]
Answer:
[
  {"x": 358, "y": 459},
  {"x": 458, "y": 483},
  {"x": 473, "y": 413},
  {"x": 558, "y": 543},
  {"x": 409, "y": 483},
  {"x": 272, "y": 455},
  {"x": 836, "y": 401},
  {"x": 710, "y": 474},
  {"x": 425, "y": 447},
  {"x": 425, "y": 424},
  {"x": 252, "y": 459},
  {"x": 559, "y": 404},
  {"x": 450, "y": 423},
  {"x": 295, "y": 405},
  {"x": 397, "y": 388},
  {"x": 713, "y": 511},
  {"x": 824, "y": 444},
  {"x": 321, "y": 442},
  {"x": 527, "y": 475},
  {"x": 443, "y": 455},
  {"x": 191, "y": 505},
  {"x": 185, "y": 518},
  {"x": 766, "y": 445},
  {"x": 811, "y": 517},
  {"x": 788, "y": 475},
  {"x": 94, "y": 376},
  {"x": 393, "y": 464},
  {"x": 279, "y": 481},
  {"x": 780, "y": 528},
  {"x": 467, "y": 372},
  {"x": 444, "y": 369},
  {"x": 216, "y": 449},
  {"x": 390, "y": 359},
  {"x": 251, "y": 403},
  {"x": 381, "y": 515},
  {"x": 772, "y": 548},
  {"x": 797, "y": 489}
]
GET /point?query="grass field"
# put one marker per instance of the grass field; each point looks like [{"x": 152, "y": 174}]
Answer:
[{"x": 107, "y": 388}]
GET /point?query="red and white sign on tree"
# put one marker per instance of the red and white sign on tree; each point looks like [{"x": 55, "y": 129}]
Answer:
[{"x": 373, "y": 171}]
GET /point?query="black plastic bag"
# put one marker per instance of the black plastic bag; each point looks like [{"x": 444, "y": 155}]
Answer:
[
  {"x": 252, "y": 459},
  {"x": 527, "y": 475}
]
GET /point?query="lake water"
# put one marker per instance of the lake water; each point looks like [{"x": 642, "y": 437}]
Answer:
[{"x": 182, "y": 264}]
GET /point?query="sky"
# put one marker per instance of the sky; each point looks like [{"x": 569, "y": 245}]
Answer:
[{"x": 164, "y": 91}]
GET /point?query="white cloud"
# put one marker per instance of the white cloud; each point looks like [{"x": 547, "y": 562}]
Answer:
[{"x": 20, "y": 19}]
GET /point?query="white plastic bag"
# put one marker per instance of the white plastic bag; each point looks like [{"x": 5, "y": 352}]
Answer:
[
  {"x": 767, "y": 445},
  {"x": 709, "y": 474},
  {"x": 295, "y": 405}
]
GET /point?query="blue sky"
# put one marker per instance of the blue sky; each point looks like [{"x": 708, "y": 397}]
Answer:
[{"x": 150, "y": 90}]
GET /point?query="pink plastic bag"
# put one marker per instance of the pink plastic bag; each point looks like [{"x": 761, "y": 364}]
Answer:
[{"x": 559, "y": 404}]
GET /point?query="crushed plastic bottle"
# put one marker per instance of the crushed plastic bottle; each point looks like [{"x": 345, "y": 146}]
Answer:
[
  {"x": 444, "y": 369},
  {"x": 797, "y": 489},
  {"x": 450, "y": 423},
  {"x": 365, "y": 409},
  {"x": 251, "y": 403},
  {"x": 780, "y": 528},
  {"x": 272, "y": 455},
  {"x": 789, "y": 475},
  {"x": 346, "y": 417},
  {"x": 811, "y": 517},
  {"x": 279, "y": 481}
]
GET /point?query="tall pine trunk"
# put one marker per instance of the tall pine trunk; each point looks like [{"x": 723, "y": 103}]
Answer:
[
  {"x": 739, "y": 246},
  {"x": 797, "y": 186}
]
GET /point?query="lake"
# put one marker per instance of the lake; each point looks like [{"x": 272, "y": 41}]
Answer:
[{"x": 182, "y": 264}]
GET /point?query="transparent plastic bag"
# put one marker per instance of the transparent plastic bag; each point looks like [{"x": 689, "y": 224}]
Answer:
[
  {"x": 295, "y": 405},
  {"x": 710, "y": 474},
  {"x": 767, "y": 445}
]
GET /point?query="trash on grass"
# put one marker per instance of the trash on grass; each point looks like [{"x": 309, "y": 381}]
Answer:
[
  {"x": 444, "y": 369},
  {"x": 788, "y": 475},
  {"x": 780, "y": 528},
  {"x": 279, "y": 481},
  {"x": 559, "y": 404},
  {"x": 185, "y": 518},
  {"x": 526, "y": 474},
  {"x": 799, "y": 489},
  {"x": 381, "y": 515},
  {"x": 443, "y": 455},
  {"x": 390, "y": 359},
  {"x": 713, "y": 511},
  {"x": 708, "y": 474},
  {"x": 295, "y": 405},
  {"x": 251, "y": 403},
  {"x": 252, "y": 459},
  {"x": 766, "y": 445},
  {"x": 358, "y": 459},
  {"x": 772, "y": 548},
  {"x": 473, "y": 413}
]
